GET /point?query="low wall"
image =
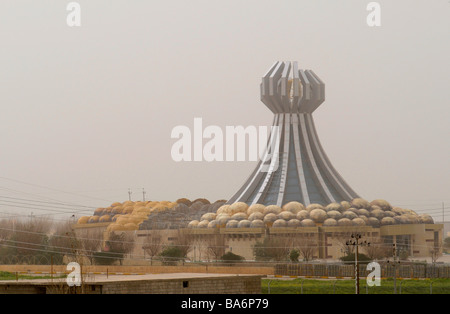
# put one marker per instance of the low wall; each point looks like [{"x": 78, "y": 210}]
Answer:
[
  {"x": 183, "y": 285},
  {"x": 143, "y": 269}
]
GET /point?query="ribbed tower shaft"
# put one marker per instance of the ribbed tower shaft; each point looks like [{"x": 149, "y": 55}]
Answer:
[{"x": 296, "y": 168}]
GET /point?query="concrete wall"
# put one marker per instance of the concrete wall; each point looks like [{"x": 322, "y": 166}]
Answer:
[{"x": 188, "y": 285}]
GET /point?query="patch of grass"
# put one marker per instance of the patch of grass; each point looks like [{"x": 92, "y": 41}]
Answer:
[
  {"x": 5, "y": 275},
  {"x": 318, "y": 286}
]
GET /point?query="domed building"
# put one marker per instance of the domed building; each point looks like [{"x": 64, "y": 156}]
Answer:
[{"x": 294, "y": 193}]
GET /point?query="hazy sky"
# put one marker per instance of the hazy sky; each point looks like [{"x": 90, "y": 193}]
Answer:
[{"x": 87, "y": 112}]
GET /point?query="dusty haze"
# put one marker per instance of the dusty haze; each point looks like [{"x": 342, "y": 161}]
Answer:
[{"x": 87, "y": 112}]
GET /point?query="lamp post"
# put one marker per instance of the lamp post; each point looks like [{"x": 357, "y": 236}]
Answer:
[{"x": 355, "y": 238}]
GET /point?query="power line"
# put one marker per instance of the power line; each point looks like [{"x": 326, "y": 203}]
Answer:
[{"x": 52, "y": 189}]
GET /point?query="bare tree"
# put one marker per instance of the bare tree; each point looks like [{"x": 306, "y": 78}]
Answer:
[
  {"x": 342, "y": 239},
  {"x": 30, "y": 236},
  {"x": 90, "y": 241},
  {"x": 6, "y": 228},
  {"x": 376, "y": 250},
  {"x": 436, "y": 252},
  {"x": 120, "y": 244},
  {"x": 184, "y": 241},
  {"x": 306, "y": 246},
  {"x": 153, "y": 245},
  {"x": 62, "y": 242},
  {"x": 274, "y": 248},
  {"x": 215, "y": 246}
]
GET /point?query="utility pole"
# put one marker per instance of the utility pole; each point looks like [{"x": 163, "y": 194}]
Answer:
[
  {"x": 355, "y": 242},
  {"x": 143, "y": 194},
  {"x": 394, "y": 264},
  {"x": 129, "y": 194}
]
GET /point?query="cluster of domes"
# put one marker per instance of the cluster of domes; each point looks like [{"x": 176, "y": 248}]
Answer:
[
  {"x": 358, "y": 212},
  {"x": 131, "y": 215}
]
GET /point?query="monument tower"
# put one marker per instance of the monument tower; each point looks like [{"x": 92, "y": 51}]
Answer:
[{"x": 298, "y": 168}]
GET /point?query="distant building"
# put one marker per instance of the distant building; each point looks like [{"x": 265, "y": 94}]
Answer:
[{"x": 294, "y": 196}]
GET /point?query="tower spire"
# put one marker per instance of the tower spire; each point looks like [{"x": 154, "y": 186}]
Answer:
[{"x": 302, "y": 170}]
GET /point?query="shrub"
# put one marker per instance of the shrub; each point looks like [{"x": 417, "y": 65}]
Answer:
[
  {"x": 171, "y": 255},
  {"x": 294, "y": 255},
  {"x": 232, "y": 258}
]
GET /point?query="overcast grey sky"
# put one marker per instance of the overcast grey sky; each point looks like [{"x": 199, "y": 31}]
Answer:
[{"x": 88, "y": 111}]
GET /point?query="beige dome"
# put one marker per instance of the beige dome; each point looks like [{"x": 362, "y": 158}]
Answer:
[
  {"x": 426, "y": 219},
  {"x": 286, "y": 215},
  {"x": 128, "y": 209},
  {"x": 193, "y": 224},
  {"x": 310, "y": 207},
  {"x": 346, "y": 205},
  {"x": 365, "y": 218},
  {"x": 293, "y": 207},
  {"x": 239, "y": 216},
  {"x": 359, "y": 203},
  {"x": 294, "y": 223},
  {"x": 105, "y": 218},
  {"x": 349, "y": 215},
  {"x": 318, "y": 215},
  {"x": 130, "y": 226},
  {"x": 213, "y": 224},
  {"x": 93, "y": 219},
  {"x": 270, "y": 218},
  {"x": 256, "y": 216},
  {"x": 413, "y": 218},
  {"x": 208, "y": 216},
  {"x": 279, "y": 223},
  {"x": 334, "y": 214},
  {"x": 374, "y": 222},
  {"x": 203, "y": 224},
  {"x": 398, "y": 210},
  {"x": 83, "y": 220},
  {"x": 151, "y": 204},
  {"x": 122, "y": 220},
  {"x": 334, "y": 207},
  {"x": 358, "y": 222},
  {"x": 244, "y": 223},
  {"x": 373, "y": 207},
  {"x": 255, "y": 208},
  {"x": 344, "y": 222},
  {"x": 223, "y": 209},
  {"x": 274, "y": 209},
  {"x": 232, "y": 224},
  {"x": 239, "y": 207},
  {"x": 387, "y": 221},
  {"x": 114, "y": 218},
  {"x": 377, "y": 213},
  {"x": 257, "y": 223},
  {"x": 222, "y": 220},
  {"x": 303, "y": 214},
  {"x": 330, "y": 222},
  {"x": 383, "y": 204},
  {"x": 308, "y": 223},
  {"x": 363, "y": 212}
]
